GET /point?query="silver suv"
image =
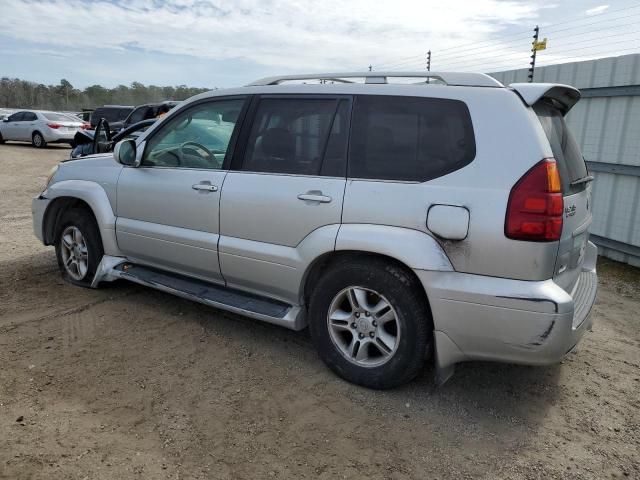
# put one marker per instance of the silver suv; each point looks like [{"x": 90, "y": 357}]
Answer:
[{"x": 400, "y": 216}]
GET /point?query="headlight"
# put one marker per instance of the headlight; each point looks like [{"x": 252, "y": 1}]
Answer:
[{"x": 52, "y": 172}]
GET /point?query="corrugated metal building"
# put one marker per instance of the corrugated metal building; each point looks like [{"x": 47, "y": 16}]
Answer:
[{"x": 606, "y": 122}]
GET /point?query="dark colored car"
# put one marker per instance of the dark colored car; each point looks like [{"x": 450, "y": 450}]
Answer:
[
  {"x": 112, "y": 113},
  {"x": 101, "y": 140},
  {"x": 142, "y": 112}
]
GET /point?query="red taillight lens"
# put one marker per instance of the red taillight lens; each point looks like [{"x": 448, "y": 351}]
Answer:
[
  {"x": 54, "y": 125},
  {"x": 86, "y": 126},
  {"x": 535, "y": 208}
]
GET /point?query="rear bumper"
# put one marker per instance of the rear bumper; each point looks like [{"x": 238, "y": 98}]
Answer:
[
  {"x": 54, "y": 136},
  {"x": 488, "y": 318}
]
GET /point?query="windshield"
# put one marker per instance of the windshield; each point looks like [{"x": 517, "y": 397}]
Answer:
[{"x": 565, "y": 148}]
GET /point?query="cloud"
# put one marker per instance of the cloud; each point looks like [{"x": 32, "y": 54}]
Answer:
[
  {"x": 597, "y": 10},
  {"x": 287, "y": 34}
]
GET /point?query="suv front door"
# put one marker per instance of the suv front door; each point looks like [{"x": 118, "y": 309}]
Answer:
[
  {"x": 168, "y": 208},
  {"x": 286, "y": 184}
]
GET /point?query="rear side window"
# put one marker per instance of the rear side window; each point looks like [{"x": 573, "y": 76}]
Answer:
[
  {"x": 139, "y": 114},
  {"x": 409, "y": 138},
  {"x": 111, "y": 114},
  {"x": 566, "y": 150},
  {"x": 300, "y": 136}
]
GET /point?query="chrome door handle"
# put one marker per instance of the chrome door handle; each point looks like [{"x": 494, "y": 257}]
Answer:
[
  {"x": 314, "y": 197},
  {"x": 206, "y": 187}
]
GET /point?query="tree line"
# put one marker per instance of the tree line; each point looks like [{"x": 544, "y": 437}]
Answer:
[{"x": 17, "y": 93}]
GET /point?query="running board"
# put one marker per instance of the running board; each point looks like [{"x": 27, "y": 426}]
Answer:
[{"x": 232, "y": 300}]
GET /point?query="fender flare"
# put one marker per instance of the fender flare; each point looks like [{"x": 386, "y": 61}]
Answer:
[
  {"x": 417, "y": 250},
  {"x": 94, "y": 195}
]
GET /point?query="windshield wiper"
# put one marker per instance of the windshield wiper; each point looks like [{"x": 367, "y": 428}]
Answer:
[{"x": 585, "y": 179}]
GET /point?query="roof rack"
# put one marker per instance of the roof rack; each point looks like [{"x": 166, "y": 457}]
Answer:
[{"x": 465, "y": 79}]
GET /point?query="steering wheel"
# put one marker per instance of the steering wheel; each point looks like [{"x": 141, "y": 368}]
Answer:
[{"x": 197, "y": 146}]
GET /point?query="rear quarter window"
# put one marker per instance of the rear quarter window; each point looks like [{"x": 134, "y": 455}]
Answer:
[{"x": 409, "y": 138}]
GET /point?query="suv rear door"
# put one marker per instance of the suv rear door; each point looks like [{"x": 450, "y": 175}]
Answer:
[
  {"x": 287, "y": 184},
  {"x": 576, "y": 189}
]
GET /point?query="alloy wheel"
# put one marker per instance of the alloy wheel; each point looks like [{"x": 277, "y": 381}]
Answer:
[
  {"x": 75, "y": 255},
  {"x": 363, "y": 326}
]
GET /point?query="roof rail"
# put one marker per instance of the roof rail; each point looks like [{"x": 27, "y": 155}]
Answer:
[{"x": 465, "y": 79}]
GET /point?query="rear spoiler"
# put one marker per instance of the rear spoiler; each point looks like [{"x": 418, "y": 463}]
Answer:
[{"x": 531, "y": 93}]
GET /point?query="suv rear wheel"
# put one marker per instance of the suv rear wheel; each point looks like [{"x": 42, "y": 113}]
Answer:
[
  {"x": 78, "y": 247},
  {"x": 370, "y": 323},
  {"x": 37, "y": 140}
]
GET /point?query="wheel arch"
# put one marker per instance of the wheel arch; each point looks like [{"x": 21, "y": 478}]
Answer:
[
  {"x": 406, "y": 248},
  {"x": 81, "y": 194},
  {"x": 321, "y": 264},
  {"x": 54, "y": 212}
]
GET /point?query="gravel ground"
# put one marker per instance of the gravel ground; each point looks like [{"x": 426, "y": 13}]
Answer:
[{"x": 127, "y": 382}]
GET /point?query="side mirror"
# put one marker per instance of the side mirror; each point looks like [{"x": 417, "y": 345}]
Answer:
[{"x": 125, "y": 153}]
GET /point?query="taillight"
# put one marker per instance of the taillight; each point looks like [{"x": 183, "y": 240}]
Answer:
[
  {"x": 86, "y": 126},
  {"x": 54, "y": 125},
  {"x": 535, "y": 208}
]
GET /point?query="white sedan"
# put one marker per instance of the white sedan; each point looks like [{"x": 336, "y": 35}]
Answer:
[{"x": 39, "y": 128}]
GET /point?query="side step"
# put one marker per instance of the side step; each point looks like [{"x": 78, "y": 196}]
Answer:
[{"x": 236, "y": 301}]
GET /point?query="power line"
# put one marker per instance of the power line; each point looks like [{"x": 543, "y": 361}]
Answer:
[
  {"x": 559, "y": 48},
  {"x": 546, "y": 29},
  {"x": 446, "y": 59}
]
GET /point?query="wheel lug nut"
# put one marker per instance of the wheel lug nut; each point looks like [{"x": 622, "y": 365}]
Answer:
[
  {"x": 371, "y": 334},
  {"x": 361, "y": 335},
  {"x": 353, "y": 325},
  {"x": 374, "y": 323},
  {"x": 357, "y": 315},
  {"x": 367, "y": 314}
]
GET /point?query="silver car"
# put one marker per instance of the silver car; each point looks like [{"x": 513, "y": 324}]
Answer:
[
  {"x": 445, "y": 219},
  {"x": 39, "y": 127}
]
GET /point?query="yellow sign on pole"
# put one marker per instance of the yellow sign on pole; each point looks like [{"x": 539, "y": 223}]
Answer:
[{"x": 541, "y": 45}]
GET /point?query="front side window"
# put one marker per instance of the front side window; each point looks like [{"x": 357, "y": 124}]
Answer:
[
  {"x": 300, "y": 136},
  {"x": 197, "y": 137},
  {"x": 16, "y": 117},
  {"x": 409, "y": 138},
  {"x": 29, "y": 117}
]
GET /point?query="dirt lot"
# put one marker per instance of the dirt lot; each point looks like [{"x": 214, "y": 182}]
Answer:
[{"x": 127, "y": 382}]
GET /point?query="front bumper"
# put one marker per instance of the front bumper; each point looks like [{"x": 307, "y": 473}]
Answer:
[
  {"x": 515, "y": 321},
  {"x": 38, "y": 207}
]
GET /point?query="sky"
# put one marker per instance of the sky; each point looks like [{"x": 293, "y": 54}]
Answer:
[{"x": 212, "y": 43}]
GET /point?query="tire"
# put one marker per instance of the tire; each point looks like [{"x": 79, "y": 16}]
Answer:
[
  {"x": 1, "y": 139},
  {"x": 335, "y": 329},
  {"x": 78, "y": 255},
  {"x": 38, "y": 141}
]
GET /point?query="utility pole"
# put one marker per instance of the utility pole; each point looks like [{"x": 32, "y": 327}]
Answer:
[
  {"x": 429, "y": 61},
  {"x": 370, "y": 67},
  {"x": 534, "y": 44}
]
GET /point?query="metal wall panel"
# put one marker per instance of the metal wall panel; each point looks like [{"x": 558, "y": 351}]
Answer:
[{"x": 606, "y": 123}]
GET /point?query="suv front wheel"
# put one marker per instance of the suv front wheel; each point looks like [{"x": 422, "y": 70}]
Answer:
[
  {"x": 78, "y": 247},
  {"x": 370, "y": 323}
]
